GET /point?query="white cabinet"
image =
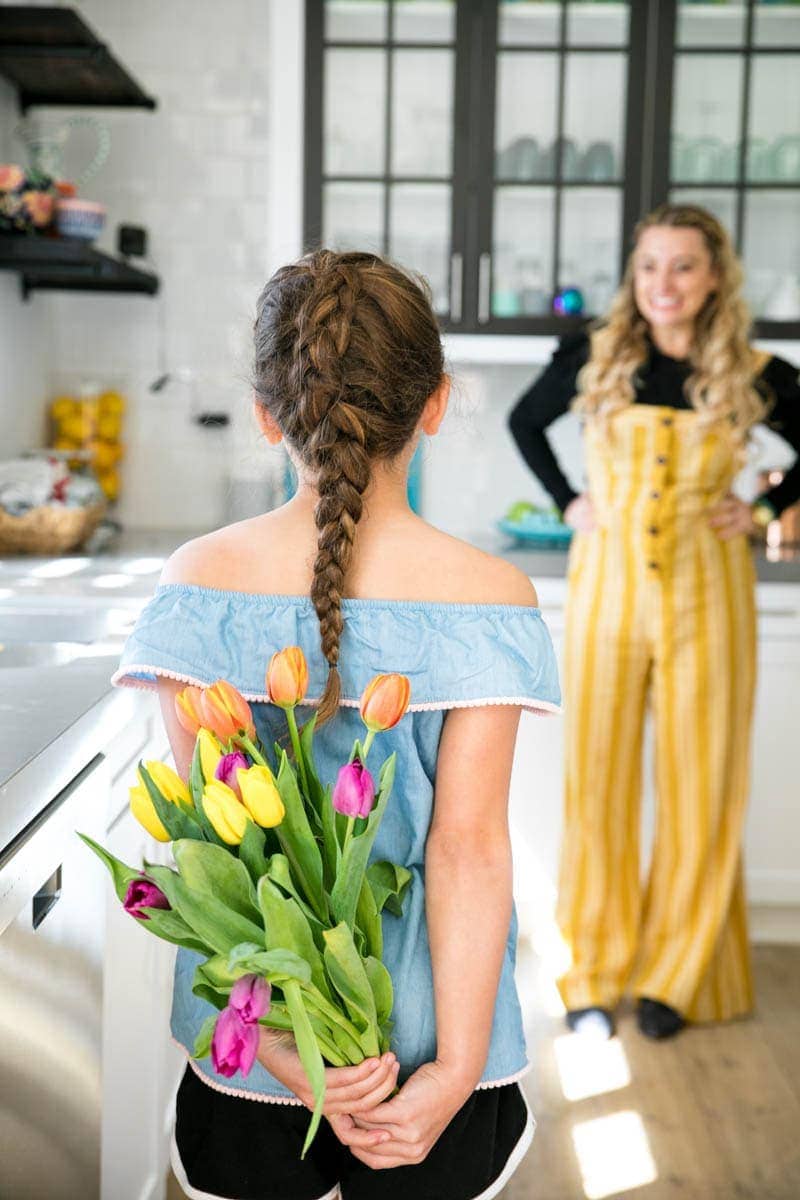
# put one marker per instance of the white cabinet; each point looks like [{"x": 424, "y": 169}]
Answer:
[
  {"x": 141, "y": 1066},
  {"x": 772, "y": 839}
]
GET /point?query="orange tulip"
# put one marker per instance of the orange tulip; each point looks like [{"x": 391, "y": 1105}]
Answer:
[
  {"x": 287, "y": 677},
  {"x": 225, "y": 711},
  {"x": 384, "y": 701},
  {"x": 187, "y": 708}
]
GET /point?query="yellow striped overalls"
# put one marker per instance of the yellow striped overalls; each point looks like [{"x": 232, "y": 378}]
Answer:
[{"x": 658, "y": 608}]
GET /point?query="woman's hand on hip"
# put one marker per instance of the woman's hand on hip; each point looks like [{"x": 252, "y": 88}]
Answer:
[
  {"x": 347, "y": 1089},
  {"x": 414, "y": 1119},
  {"x": 579, "y": 514},
  {"x": 730, "y": 517}
]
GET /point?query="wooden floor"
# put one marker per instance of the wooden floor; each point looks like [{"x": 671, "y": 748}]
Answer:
[{"x": 712, "y": 1115}]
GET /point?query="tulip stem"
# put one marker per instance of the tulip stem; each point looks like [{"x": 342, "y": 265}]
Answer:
[
  {"x": 368, "y": 740},
  {"x": 298, "y": 750},
  {"x": 249, "y": 748},
  {"x": 348, "y": 833}
]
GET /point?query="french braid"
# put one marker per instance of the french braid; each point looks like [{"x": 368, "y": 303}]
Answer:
[{"x": 347, "y": 353}]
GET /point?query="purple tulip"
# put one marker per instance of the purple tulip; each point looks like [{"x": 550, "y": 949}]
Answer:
[
  {"x": 354, "y": 790},
  {"x": 234, "y": 1044},
  {"x": 143, "y": 893},
  {"x": 227, "y": 767},
  {"x": 250, "y": 996}
]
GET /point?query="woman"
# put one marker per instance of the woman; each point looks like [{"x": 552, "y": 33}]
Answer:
[{"x": 661, "y": 606}]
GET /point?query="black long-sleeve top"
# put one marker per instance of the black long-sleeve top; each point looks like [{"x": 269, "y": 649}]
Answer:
[{"x": 660, "y": 381}]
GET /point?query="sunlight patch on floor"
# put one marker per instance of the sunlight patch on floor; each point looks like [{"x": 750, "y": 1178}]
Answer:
[
  {"x": 613, "y": 1155},
  {"x": 590, "y": 1068}
]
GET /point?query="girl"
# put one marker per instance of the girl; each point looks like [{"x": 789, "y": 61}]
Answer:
[
  {"x": 349, "y": 372},
  {"x": 661, "y": 602}
]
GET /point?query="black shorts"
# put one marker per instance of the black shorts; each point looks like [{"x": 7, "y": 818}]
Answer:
[{"x": 240, "y": 1149}]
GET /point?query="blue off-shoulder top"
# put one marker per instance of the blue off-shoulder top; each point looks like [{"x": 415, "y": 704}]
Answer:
[{"x": 455, "y": 655}]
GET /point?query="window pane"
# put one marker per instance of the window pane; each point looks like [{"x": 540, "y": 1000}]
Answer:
[
  {"x": 422, "y": 112},
  {"x": 419, "y": 234},
  {"x": 707, "y": 103},
  {"x": 528, "y": 23},
  {"x": 362, "y": 22},
  {"x": 594, "y": 106},
  {"x": 354, "y": 106},
  {"x": 590, "y": 242},
  {"x": 525, "y": 122},
  {"x": 719, "y": 201},
  {"x": 772, "y": 254},
  {"x": 522, "y": 260},
  {"x": 424, "y": 20},
  {"x": 719, "y": 24},
  {"x": 776, "y": 24},
  {"x": 352, "y": 216},
  {"x": 593, "y": 24},
  {"x": 773, "y": 148}
]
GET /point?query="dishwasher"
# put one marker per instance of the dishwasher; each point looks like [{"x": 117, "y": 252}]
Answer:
[{"x": 52, "y": 914}]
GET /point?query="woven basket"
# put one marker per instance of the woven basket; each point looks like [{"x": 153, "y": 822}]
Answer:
[{"x": 48, "y": 529}]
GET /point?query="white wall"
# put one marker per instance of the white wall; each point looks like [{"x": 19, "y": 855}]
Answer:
[
  {"x": 194, "y": 172},
  {"x": 24, "y": 328}
]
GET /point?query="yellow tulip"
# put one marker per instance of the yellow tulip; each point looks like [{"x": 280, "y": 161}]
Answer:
[
  {"x": 226, "y": 814},
  {"x": 210, "y": 753},
  {"x": 144, "y": 811},
  {"x": 169, "y": 783},
  {"x": 260, "y": 796}
]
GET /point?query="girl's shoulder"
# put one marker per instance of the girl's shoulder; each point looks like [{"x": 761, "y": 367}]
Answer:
[{"x": 409, "y": 561}]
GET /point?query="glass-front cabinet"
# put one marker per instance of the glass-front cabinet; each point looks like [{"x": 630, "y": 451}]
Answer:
[{"x": 506, "y": 148}]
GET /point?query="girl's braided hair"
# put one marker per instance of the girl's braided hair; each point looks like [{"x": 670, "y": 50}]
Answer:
[{"x": 347, "y": 351}]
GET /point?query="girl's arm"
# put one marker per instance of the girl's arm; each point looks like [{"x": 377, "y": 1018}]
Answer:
[{"x": 468, "y": 882}]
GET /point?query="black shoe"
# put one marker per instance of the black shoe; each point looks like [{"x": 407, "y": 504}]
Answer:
[
  {"x": 657, "y": 1020},
  {"x": 597, "y": 1023}
]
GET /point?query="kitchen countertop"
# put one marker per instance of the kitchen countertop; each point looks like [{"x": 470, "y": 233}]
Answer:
[{"x": 56, "y": 717}]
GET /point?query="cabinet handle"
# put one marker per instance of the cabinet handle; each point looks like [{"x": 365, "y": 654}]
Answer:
[
  {"x": 46, "y": 897},
  {"x": 484, "y": 282},
  {"x": 456, "y": 286}
]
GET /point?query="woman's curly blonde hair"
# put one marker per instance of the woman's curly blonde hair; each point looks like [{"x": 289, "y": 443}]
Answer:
[{"x": 724, "y": 364}]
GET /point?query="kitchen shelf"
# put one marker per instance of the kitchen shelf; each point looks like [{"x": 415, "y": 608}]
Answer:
[
  {"x": 52, "y": 57},
  {"x": 67, "y": 264}
]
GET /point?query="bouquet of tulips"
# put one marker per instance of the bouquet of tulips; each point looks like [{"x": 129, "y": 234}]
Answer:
[{"x": 272, "y": 883}]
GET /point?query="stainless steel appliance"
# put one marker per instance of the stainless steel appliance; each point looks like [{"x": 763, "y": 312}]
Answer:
[{"x": 52, "y": 914}]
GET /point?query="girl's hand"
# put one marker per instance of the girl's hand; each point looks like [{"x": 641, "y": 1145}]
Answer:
[
  {"x": 731, "y": 517},
  {"x": 579, "y": 514},
  {"x": 347, "y": 1089},
  {"x": 412, "y": 1121}
]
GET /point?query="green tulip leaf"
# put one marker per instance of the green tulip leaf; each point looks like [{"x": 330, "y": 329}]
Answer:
[
  {"x": 251, "y": 851},
  {"x": 211, "y": 869},
  {"x": 389, "y": 883},
  {"x": 202, "y": 1043},
  {"x": 280, "y": 872},
  {"x": 287, "y": 929},
  {"x": 346, "y": 890},
  {"x": 166, "y": 924},
  {"x": 121, "y": 874},
  {"x": 211, "y": 919},
  {"x": 196, "y": 787},
  {"x": 178, "y": 821},
  {"x": 347, "y": 974},
  {"x": 381, "y": 983},
  {"x": 310, "y": 1056},
  {"x": 368, "y": 920},
  {"x": 331, "y": 845},
  {"x": 274, "y": 965},
  {"x": 298, "y": 843}
]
